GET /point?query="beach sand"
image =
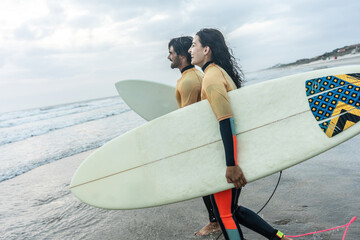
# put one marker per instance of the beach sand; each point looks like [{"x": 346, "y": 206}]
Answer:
[{"x": 320, "y": 193}]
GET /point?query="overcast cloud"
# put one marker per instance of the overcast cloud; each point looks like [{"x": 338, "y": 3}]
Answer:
[{"x": 53, "y": 52}]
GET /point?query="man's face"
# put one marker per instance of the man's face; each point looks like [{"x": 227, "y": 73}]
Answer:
[{"x": 174, "y": 58}]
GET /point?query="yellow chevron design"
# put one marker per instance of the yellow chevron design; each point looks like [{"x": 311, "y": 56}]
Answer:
[
  {"x": 334, "y": 121},
  {"x": 349, "y": 79},
  {"x": 341, "y": 106}
]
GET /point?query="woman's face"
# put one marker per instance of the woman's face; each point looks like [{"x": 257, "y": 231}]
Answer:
[{"x": 197, "y": 52}]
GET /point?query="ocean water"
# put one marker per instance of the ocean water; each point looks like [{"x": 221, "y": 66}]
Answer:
[
  {"x": 34, "y": 138},
  {"x": 31, "y": 138}
]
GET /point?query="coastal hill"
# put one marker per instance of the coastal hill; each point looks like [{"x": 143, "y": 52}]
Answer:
[{"x": 353, "y": 49}]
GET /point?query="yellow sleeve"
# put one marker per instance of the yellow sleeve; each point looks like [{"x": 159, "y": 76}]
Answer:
[
  {"x": 189, "y": 92},
  {"x": 218, "y": 98}
]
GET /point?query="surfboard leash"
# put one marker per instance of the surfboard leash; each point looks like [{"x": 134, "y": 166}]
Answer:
[
  {"x": 306, "y": 234},
  {"x": 327, "y": 230},
  {"x": 277, "y": 184}
]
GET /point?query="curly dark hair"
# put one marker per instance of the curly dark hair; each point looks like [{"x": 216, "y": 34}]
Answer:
[
  {"x": 181, "y": 46},
  {"x": 221, "y": 54}
]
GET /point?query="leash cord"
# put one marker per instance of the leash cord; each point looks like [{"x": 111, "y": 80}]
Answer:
[
  {"x": 277, "y": 184},
  {"x": 331, "y": 229},
  {"x": 306, "y": 234}
]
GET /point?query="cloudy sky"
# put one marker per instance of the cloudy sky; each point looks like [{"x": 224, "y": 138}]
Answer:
[{"x": 54, "y": 52}]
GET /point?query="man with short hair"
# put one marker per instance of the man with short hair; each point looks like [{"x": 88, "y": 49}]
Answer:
[{"x": 188, "y": 91}]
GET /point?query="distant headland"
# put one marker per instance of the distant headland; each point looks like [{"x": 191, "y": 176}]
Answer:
[{"x": 339, "y": 52}]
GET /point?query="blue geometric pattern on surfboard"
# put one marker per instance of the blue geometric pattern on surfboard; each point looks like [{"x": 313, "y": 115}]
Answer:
[
  {"x": 336, "y": 98},
  {"x": 322, "y": 84}
]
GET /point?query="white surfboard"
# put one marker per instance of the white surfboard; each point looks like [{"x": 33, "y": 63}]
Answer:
[
  {"x": 148, "y": 99},
  {"x": 179, "y": 156}
]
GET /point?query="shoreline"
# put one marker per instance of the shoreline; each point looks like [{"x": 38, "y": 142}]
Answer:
[
  {"x": 318, "y": 194},
  {"x": 329, "y": 59},
  {"x": 333, "y": 62}
]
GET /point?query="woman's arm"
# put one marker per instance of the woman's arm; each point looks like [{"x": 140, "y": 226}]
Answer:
[
  {"x": 217, "y": 96},
  {"x": 234, "y": 173}
]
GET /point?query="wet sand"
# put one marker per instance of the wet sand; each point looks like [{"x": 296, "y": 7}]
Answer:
[{"x": 320, "y": 193}]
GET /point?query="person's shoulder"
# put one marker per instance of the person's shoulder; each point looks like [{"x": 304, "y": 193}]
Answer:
[
  {"x": 213, "y": 72},
  {"x": 193, "y": 75},
  {"x": 214, "y": 69},
  {"x": 194, "y": 72},
  {"x": 191, "y": 80}
]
